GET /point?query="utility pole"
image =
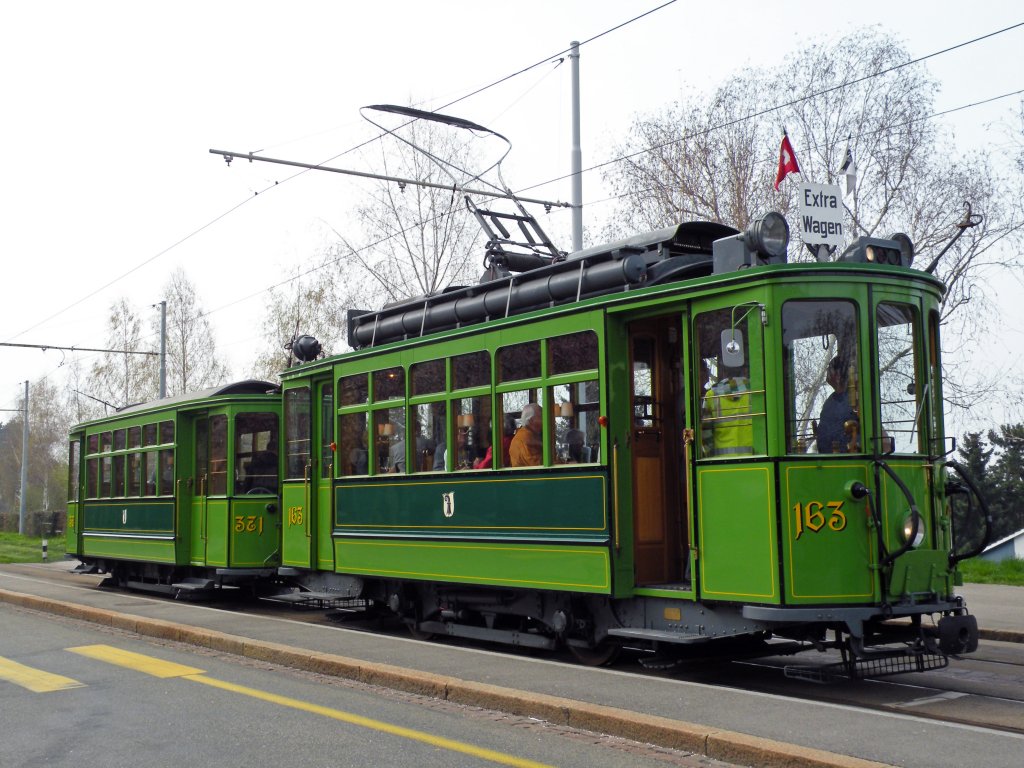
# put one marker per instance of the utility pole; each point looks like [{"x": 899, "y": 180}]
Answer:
[
  {"x": 24, "y": 465},
  {"x": 163, "y": 349},
  {"x": 577, "y": 153}
]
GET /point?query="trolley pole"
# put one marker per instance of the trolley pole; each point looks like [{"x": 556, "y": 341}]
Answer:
[
  {"x": 24, "y": 465},
  {"x": 577, "y": 152},
  {"x": 163, "y": 349}
]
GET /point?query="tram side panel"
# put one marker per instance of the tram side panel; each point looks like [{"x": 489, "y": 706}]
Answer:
[{"x": 530, "y": 530}]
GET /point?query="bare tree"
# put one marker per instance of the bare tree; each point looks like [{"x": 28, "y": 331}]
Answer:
[
  {"x": 192, "y": 361},
  {"x": 123, "y": 378},
  {"x": 411, "y": 241},
  {"x": 716, "y": 159},
  {"x": 311, "y": 303}
]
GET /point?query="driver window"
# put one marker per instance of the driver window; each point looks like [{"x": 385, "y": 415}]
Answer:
[
  {"x": 902, "y": 394},
  {"x": 822, "y": 377},
  {"x": 256, "y": 464}
]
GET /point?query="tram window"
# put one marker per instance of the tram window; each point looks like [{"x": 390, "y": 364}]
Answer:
[
  {"x": 427, "y": 378},
  {"x": 256, "y": 453},
  {"x": 149, "y": 434},
  {"x": 389, "y": 427},
  {"x": 821, "y": 377},
  {"x": 473, "y": 434},
  {"x": 431, "y": 432},
  {"x": 166, "y": 472},
  {"x": 575, "y": 352},
  {"x": 519, "y": 361},
  {"x": 117, "y": 475},
  {"x": 74, "y": 456},
  {"x": 573, "y": 422},
  {"x": 645, "y": 401},
  {"x": 105, "y": 472},
  {"x": 327, "y": 429},
  {"x": 91, "y": 478},
  {"x": 119, "y": 439},
  {"x": 732, "y": 413},
  {"x": 134, "y": 474},
  {"x": 202, "y": 456},
  {"x": 296, "y": 432},
  {"x": 512, "y": 405},
  {"x": 92, "y": 444},
  {"x": 900, "y": 391},
  {"x": 166, "y": 432},
  {"x": 105, "y": 442},
  {"x": 353, "y": 390},
  {"x": 935, "y": 374},
  {"x": 471, "y": 370},
  {"x": 218, "y": 455},
  {"x": 149, "y": 471},
  {"x": 353, "y": 451},
  {"x": 134, "y": 437},
  {"x": 388, "y": 384}
]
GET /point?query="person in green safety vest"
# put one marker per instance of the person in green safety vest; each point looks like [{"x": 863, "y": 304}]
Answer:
[{"x": 728, "y": 429}]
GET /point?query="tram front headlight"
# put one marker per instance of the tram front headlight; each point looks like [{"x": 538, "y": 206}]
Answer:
[
  {"x": 769, "y": 235},
  {"x": 913, "y": 531}
]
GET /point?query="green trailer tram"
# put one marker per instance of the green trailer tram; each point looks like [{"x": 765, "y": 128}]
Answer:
[
  {"x": 729, "y": 448},
  {"x": 181, "y": 494}
]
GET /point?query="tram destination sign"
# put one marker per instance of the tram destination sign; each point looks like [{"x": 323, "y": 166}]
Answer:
[{"x": 821, "y": 214}]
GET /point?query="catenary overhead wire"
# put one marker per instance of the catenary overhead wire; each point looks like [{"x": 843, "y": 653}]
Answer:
[
  {"x": 340, "y": 154},
  {"x": 550, "y": 181}
]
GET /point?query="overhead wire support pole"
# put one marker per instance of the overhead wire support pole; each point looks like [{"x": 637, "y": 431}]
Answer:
[
  {"x": 228, "y": 156},
  {"x": 576, "y": 198},
  {"x": 24, "y": 465},
  {"x": 163, "y": 349}
]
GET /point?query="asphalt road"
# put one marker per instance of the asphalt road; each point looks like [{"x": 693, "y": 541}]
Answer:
[{"x": 73, "y": 695}]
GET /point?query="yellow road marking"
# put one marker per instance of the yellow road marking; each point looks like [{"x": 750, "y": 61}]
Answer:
[
  {"x": 377, "y": 725},
  {"x": 35, "y": 680},
  {"x": 160, "y": 668},
  {"x": 136, "y": 661}
]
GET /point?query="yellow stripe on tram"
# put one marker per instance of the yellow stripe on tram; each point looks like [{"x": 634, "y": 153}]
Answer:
[
  {"x": 35, "y": 680},
  {"x": 136, "y": 661}
]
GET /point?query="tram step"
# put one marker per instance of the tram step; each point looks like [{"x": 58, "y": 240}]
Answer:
[
  {"x": 194, "y": 585},
  {"x": 656, "y": 635}
]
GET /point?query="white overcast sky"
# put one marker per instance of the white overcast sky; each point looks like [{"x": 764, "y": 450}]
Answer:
[{"x": 109, "y": 110}]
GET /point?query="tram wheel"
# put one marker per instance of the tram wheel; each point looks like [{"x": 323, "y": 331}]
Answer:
[{"x": 600, "y": 655}]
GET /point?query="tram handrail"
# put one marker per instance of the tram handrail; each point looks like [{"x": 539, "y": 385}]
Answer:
[{"x": 961, "y": 470}]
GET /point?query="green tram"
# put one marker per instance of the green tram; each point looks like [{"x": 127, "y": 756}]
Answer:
[
  {"x": 180, "y": 494},
  {"x": 671, "y": 440}
]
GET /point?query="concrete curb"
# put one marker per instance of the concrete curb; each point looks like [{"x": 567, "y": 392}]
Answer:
[
  {"x": 728, "y": 746},
  {"x": 1002, "y": 635}
]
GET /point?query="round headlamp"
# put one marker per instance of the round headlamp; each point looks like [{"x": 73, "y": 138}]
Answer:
[
  {"x": 913, "y": 531},
  {"x": 769, "y": 235}
]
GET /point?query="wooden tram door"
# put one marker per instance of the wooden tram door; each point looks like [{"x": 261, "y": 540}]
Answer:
[{"x": 657, "y": 398}]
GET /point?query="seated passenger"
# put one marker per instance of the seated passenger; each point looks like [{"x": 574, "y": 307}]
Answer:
[{"x": 526, "y": 449}]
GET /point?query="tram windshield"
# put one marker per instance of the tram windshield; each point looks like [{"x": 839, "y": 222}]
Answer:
[
  {"x": 822, "y": 377},
  {"x": 902, "y": 395}
]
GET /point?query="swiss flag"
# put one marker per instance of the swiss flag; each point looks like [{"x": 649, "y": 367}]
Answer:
[{"x": 787, "y": 161}]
